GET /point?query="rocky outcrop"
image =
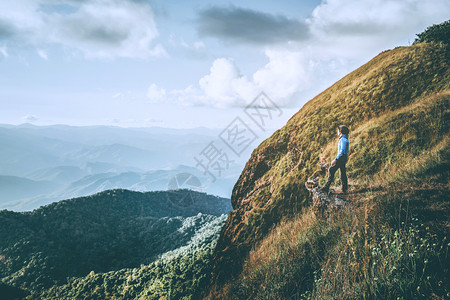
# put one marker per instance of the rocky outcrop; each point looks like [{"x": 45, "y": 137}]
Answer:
[{"x": 325, "y": 203}]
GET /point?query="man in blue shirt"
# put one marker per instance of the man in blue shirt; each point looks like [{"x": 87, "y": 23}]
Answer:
[{"x": 340, "y": 160}]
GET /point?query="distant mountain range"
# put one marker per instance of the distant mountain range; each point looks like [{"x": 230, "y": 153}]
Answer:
[{"x": 43, "y": 164}]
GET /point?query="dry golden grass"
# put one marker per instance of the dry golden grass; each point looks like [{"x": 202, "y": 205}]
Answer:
[
  {"x": 283, "y": 237},
  {"x": 375, "y": 250},
  {"x": 408, "y": 169}
]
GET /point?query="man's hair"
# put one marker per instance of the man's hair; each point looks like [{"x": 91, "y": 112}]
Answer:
[{"x": 344, "y": 129}]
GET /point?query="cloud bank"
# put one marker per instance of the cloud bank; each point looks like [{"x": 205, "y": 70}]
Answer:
[
  {"x": 249, "y": 26},
  {"x": 96, "y": 28},
  {"x": 225, "y": 86},
  {"x": 304, "y": 56}
]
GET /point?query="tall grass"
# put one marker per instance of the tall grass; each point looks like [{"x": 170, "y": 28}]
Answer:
[
  {"x": 400, "y": 259},
  {"x": 284, "y": 263},
  {"x": 377, "y": 250}
]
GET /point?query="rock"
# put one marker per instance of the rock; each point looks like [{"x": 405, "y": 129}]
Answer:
[{"x": 324, "y": 202}]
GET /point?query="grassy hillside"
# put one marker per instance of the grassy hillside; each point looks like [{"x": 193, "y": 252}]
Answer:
[
  {"x": 109, "y": 231},
  {"x": 272, "y": 246}
]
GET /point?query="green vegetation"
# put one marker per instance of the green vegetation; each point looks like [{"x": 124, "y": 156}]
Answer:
[
  {"x": 112, "y": 231},
  {"x": 179, "y": 277},
  {"x": 438, "y": 33}
]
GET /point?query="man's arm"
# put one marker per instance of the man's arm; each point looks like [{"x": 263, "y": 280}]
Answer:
[{"x": 341, "y": 149}]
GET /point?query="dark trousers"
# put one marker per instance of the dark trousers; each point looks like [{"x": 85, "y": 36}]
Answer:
[{"x": 340, "y": 164}]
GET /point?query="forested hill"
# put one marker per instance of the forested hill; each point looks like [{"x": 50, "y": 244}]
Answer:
[{"x": 107, "y": 231}]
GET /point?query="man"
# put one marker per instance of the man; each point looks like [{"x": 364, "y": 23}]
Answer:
[{"x": 340, "y": 160}]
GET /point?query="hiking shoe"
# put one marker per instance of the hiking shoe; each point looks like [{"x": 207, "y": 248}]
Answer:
[{"x": 341, "y": 192}]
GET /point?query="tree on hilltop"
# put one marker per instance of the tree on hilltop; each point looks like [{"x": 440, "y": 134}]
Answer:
[{"x": 439, "y": 33}]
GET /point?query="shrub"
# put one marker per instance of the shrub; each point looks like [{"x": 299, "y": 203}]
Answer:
[{"x": 439, "y": 33}]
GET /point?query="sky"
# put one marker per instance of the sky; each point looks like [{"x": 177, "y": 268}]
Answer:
[{"x": 186, "y": 64}]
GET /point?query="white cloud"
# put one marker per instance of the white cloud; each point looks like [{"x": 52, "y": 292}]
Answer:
[
  {"x": 192, "y": 50},
  {"x": 3, "y": 52},
  {"x": 197, "y": 46},
  {"x": 189, "y": 96},
  {"x": 286, "y": 74},
  {"x": 158, "y": 51},
  {"x": 42, "y": 54},
  {"x": 96, "y": 28},
  {"x": 282, "y": 77},
  {"x": 354, "y": 28},
  {"x": 156, "y": 94},
  {"x": 108, "y": 29},
  {"x": 30, "y": 118},
  {"x": 224, "y": 85},
  {"x": 153, "y": 121}
]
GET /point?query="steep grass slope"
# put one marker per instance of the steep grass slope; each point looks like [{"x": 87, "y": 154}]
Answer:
[{"x": 397, "y": 108}]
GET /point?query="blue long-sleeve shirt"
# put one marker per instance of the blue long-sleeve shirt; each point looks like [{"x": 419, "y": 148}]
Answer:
[{"x": 343, "y": 146}]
